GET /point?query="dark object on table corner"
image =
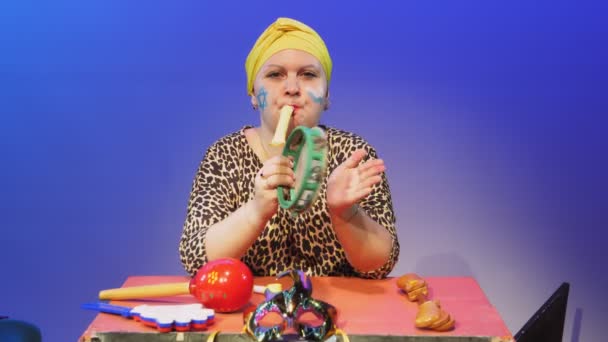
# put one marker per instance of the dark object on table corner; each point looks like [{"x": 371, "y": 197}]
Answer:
[{"x": 547, "y": 323}]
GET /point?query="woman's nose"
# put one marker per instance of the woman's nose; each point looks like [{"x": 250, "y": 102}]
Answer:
[{"x": 291, "y": 86}]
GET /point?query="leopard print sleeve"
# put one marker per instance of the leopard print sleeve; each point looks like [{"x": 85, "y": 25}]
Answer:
[
  {"x": 211, "y": 200},
  {"x": 378, "y": 204}
]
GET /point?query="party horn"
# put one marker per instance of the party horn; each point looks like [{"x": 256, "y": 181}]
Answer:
[{"x": 280, "y": 132}]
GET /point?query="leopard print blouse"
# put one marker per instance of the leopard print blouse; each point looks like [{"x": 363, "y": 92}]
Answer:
[{"x": 224, "y": 182}]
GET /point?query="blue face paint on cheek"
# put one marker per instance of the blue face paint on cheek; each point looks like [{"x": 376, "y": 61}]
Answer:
[
  {"x": 315, "y": 98},
  {"x": 262, "y": 97}
]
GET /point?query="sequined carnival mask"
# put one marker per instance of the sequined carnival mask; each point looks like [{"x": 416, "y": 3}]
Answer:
[{"x": 292, "y": 304}]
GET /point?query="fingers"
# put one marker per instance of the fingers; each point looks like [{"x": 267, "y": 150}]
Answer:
[
  {"x": 278, "y": 161},
  {"x": 275, "y": 181},
  {"x": 371, "y": 168},
  {"x": 361, "y": 193},
  {"x": 277, "y": 166},
  {"x": 277, "y": 171},
  {"x": 358, "y": 179},
  {"x": 355, "y": 158},
  {"x": 365, "y": 187},
  {"x": 370, "y": 182},
  {"x": 368, "y": 175}
]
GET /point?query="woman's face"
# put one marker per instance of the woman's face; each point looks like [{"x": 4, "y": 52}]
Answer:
[{"x": 290, "y": 77}]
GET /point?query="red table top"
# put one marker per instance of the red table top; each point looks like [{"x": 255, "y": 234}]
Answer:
[{"x": 365, "y": 307}]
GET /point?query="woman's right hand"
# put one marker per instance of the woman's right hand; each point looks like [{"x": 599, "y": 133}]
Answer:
[{"x": 276, "y": 171}]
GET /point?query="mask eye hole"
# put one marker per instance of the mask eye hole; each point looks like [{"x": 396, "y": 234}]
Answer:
[
  {"x": 271, "y": 319},
  {"x": 310, "y": 318}
]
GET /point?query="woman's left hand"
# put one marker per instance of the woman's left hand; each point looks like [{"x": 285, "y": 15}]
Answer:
[{"x": 351, "y": 182}]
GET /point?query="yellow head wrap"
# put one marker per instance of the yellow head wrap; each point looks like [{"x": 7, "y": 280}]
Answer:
[{"x": 283, "y": 34}]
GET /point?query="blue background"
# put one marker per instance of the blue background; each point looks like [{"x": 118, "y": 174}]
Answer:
[{"x": 490, "y": 116}]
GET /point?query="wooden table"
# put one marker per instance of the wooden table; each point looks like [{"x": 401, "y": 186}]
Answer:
[{"x": 368, "y": 310}]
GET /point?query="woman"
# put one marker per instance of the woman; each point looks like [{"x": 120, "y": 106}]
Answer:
[{"x": 233, "y": 208}]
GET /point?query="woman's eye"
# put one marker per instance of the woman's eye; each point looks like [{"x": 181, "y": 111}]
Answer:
[
  {"x": 274, "y": 74},
  {"x": 309, "y": 74}
]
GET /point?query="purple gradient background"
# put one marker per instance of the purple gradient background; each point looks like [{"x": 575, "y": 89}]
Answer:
[{"x": 490, "y": 116}]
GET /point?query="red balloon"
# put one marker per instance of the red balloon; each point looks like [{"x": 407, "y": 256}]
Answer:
[{"x": 224, "y": 285}]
